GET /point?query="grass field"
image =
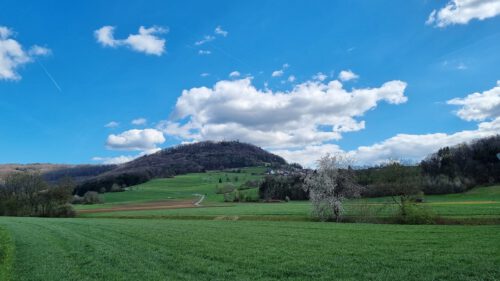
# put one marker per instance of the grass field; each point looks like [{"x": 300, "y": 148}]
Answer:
[
  {"x": 478, "y": 203},
  {"x": 120, "y": 249},
  {"x": 179, "y": 188},
  {"x": 249, "y": 241}
]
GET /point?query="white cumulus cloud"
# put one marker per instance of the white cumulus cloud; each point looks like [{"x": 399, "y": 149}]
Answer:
[
  {"x": 346, "y": 75},
  {"x": 123, "y": 158},
  {"x": 145, "y": 41},
  {"x": 280, "y": 72},
  {"x": 142, "y": 140},
  {"x": 112, "y": 124},
  {"x": 114, "y": 160},
  {"x": 139, "y": 121},
  {"x": 219, "y": 31},
  {"x": 206, "y": 39},
  {"x": 36, "y": 50},
  {"x": 320, "y": 76},
  {"x": 402, "y": 146},
  {"x": 479, "y": 106},
  {"x": 311, "y": 113},
  {"x": 308, "y": 155},
  {"x": 13, "y": 55},
  {"x": 277, "y": 73},
  {"x": 417, "y": 147},
  {"x": 234, "y": 74},
  {"x": 463, "y": 11}
]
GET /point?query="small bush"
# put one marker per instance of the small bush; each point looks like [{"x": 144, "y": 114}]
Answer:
[
  {"x": 418, "y": 197},
  {"x": 116, "y": 188},
  {"x": 228, "y": 197},
  {"x": 248, "y": 195},
  {"x": 91, "y": 197},
  {"x": 77, "y": 200},
  {"x": 227, "y": 188},
  {"x": 412, "y": 213},
  {"x": 236, "y": 195},
  {"x": 250, "y": 184},
  {"x": 63, "y": 211}
]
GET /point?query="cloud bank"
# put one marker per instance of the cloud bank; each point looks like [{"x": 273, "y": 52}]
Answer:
[
  {"x": 311, "y": 113},
  {"x": 475, "y": 107}
]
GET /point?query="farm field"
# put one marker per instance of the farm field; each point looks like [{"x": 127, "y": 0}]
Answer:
[
  {"x": 151, "y": 249},
  {"x": 180, "y": 241},
  {"x": 482, "y": 202}
]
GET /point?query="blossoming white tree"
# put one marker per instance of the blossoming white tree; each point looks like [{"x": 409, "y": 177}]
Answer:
[{"x": 329, "y": 185}]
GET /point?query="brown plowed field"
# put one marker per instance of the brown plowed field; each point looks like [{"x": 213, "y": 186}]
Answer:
[{"x": 144, "y": 206}]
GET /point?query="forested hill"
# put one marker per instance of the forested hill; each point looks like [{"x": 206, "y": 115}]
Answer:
[
  {"x": 200, "y": 156},
  {"x": 182, "y": 159}
]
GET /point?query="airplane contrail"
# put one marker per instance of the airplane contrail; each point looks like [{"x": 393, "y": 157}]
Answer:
[{"x": 50, "y": 76}]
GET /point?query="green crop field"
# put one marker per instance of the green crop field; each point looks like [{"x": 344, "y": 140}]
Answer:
[
  {"x": 149, "y": 249},
  {"x": 249, "y": 241}
]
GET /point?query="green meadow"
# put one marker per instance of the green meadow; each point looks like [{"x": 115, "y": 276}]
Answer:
[
  {"x": 250, "y": 241},
  {"x": 159, "y": 249},
  {"x": 181, "y": 187}
]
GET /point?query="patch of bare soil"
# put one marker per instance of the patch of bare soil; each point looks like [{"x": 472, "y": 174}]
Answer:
[{"x": 157, "y": 205}]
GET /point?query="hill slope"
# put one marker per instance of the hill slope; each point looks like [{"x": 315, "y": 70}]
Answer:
[
  {"x": 42, "y": 168},
  {"x": 188, "y": 158}
]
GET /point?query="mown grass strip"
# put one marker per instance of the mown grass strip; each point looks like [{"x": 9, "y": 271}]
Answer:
[
  {"x": 346, "y": 219},
  {"x": 6, "y": 255}
]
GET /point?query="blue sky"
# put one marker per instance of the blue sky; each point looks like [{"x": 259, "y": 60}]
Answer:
[{"x": 74, "y": 77}]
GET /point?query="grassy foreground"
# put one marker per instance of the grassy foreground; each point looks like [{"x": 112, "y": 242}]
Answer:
[{"x": 121, "y": 249}]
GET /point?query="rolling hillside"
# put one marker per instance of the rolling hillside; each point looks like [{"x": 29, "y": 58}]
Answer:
[{"x": 183, "y": 159}]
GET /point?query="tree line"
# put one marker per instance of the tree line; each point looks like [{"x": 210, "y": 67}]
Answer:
[
  {"x": 449, "y": 170},
  {"x": 28, "y": 194}
]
